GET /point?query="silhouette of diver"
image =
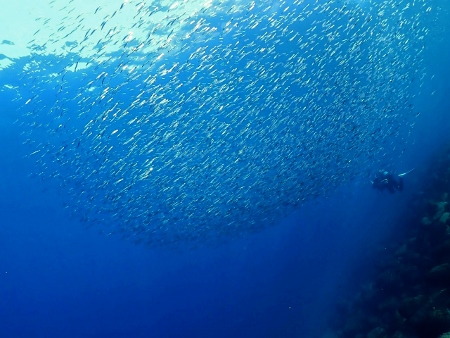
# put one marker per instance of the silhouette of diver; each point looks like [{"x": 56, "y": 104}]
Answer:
[{"x": 386, "y": 180}]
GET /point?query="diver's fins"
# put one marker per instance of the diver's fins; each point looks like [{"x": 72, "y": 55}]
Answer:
[{"x": 401, "y": 175}]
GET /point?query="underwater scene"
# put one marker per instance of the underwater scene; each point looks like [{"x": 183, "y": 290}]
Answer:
[{"x": 225, "y": 168}]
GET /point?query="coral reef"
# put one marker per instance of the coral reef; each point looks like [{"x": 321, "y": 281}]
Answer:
[{"x": 409, "y": 297}]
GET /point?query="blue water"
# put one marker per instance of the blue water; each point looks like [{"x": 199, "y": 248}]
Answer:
[{"x": 61, "y": 277}]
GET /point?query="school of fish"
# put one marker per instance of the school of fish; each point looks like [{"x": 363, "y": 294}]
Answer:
[{"x": 168, "y": 123}]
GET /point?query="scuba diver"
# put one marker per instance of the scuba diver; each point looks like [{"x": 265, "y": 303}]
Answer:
[{"x": 386, "y": 180}]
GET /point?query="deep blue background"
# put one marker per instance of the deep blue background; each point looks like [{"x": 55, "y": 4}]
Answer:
[{"x": 58, "y": 279}]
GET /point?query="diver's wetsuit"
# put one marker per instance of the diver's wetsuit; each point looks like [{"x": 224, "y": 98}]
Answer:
[{"x": 385, "y": 180}]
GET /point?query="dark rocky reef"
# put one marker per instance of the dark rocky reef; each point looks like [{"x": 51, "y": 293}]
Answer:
[{"x": 409, "y": 296}]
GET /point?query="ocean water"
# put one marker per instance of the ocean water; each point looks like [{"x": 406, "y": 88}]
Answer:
[{"x": 202, "y": 168}]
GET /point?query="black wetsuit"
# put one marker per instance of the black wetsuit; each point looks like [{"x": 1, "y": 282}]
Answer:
[{"x": 385, "y": 180}]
